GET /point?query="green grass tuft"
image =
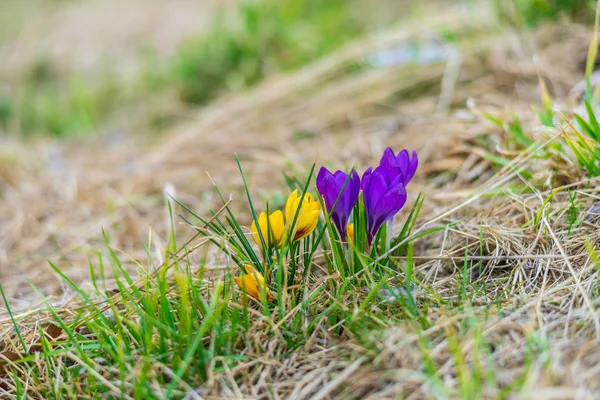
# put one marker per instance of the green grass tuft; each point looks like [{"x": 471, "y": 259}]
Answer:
[{"x": 529, "y": 13}]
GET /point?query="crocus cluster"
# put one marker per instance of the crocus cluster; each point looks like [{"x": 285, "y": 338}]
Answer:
[
  {"x": 384, "y": 195},
  {"x": 384, "y": 192},
  {"x": 301, "y": 217},
  {"x": 276, "y": 229}
]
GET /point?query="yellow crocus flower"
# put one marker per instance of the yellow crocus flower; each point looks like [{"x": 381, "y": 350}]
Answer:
[
  {"x": 274, "y": 225},
  {"x": 307, "y": 218},
  {"x": 350, "y": 232},
  {"x": 251, "y": 282}
]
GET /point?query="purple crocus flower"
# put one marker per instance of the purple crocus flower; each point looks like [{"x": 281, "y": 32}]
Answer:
[
  {"x": 384, "y": 195},
  {"x": 401, "y": 163},
  {"x": 330, "y": 186}
]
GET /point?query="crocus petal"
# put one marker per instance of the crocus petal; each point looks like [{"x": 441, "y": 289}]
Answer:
[
  {"x": 354, "y": 189},
  {"x": 274, "y": 225},
  {"x": 321, "y": 177},
  {"x": 407, "y": 164},
  {"x": 327, "y": 188},
  {"x": 277, "y": 227},
  {"x": 401, "y": 163},
  {"x": 340, "y": 192},
  {"x": 349, "y": 198},
  {"x": 376, "y": 189},
  {"x": 262, "y": 221},
  {"x": 303, "y": 212},
  {"x": 388, "y": 160},
  {"x": 412, "y": 168},
  {"x": 384, "y": 195},
  {"x": 392, "y": 202},
  {"x": 350, "y": 232},
  {"x": 307, "y": 224},
  {"x": 402, "y": 160},
  {"x": 252, "y": 283},
  {"x": 374, "y": 227},
  {"x": 366, "y": 179},
  {"x": 332, "y": 192},
  {"x": 342, "y": 184},
  {"x": 323, "y": 183},
  {"x": 395, "y": 176},
  {"x": 291, "y": 206}
]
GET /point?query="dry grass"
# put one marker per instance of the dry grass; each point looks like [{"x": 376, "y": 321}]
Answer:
[
  {"x": 536, "y": 300},
  {"x": 103, "y": 36}
]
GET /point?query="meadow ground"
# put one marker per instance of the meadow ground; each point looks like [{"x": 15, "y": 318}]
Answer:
[{"x": 491, "y": 292}]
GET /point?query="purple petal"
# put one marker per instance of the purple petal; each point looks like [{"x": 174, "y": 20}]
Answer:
[
  {"x": 339, "y": 203},
  {"x": 321, "y": 186},
  {"x": 386, "y": 209},
  {"x": 412, "y": 168},
  {"x": 374, "y": 188},
  {"x": 332, "y": 192},
  {"x": 375, "y": 191},
  {"x": 376, "y": 224},
  {"x": 366, "y": 179},
  {"x": 354, "y": 190},
  {"x": 395, "y": 176},
  {"x": 347, "y": 185},
  {"x": 327, "y": 188},
  {"x": 340, "y": 178},
  {"x": 392, "y": 202},
  {"x": 388, "y": 160},
  {"x": 402, "y": 160}
]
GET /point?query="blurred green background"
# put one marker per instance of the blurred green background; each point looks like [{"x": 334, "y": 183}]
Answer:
[{"x": 221, "y": 47}]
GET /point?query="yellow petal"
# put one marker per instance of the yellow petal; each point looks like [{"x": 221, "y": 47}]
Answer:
[
  {"x": 277, "y": 227},
  {"x": 274, "y": 225},
  {"x": 307, "y": 210},
  {"x": 307, "y": 224},
  {"x": 253, "y": 272},
  {"x": 262, "y": 221},
  {"x": 350, "y": 232},
  {"x": 291, "y": 205},
  {"x": 247, "y": 284},
  {"x": 252, "y": 282}
]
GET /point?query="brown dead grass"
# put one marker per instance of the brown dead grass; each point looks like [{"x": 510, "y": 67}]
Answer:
[{"x": 56, "y": 196}]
